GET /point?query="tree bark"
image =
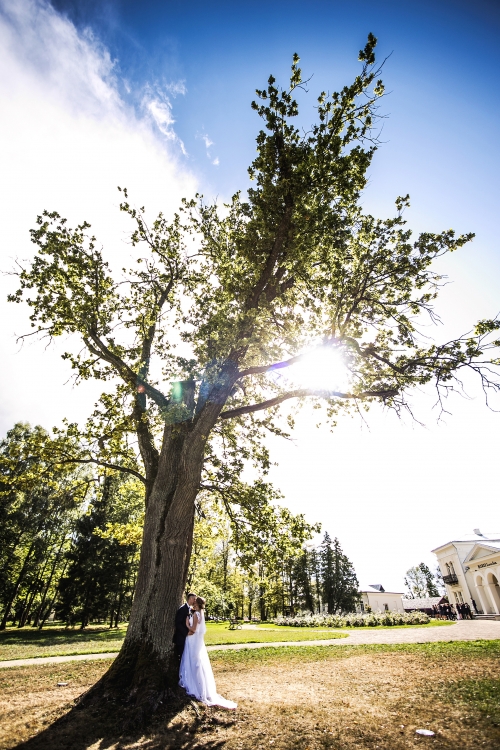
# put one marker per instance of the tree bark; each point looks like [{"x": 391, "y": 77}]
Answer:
[{"x": 146, "y": 668}]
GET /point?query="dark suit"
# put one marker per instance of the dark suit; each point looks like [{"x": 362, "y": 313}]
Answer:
[{"x": 181, "y": 629}]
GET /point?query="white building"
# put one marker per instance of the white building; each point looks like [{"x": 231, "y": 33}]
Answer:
[
  {"x": 471, "y": 572},
  {"x": 380, "y": 600}
]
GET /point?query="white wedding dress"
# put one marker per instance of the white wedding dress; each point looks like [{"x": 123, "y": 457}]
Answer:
[{"x": 196, "y": 675}]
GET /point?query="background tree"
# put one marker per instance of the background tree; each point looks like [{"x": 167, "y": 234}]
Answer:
[
  {"x": 102, "y": 561},
  {"x": 339, "y": 585},
  {"x": 246, "y": 290},
  {"x": 420, "y": 582},
  {"x": 39, "y": 503}
]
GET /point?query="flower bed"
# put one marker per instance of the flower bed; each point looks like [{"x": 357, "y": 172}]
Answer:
[{"x": 354, "y": 620}]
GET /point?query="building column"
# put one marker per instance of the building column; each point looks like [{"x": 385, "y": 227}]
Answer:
[
  {"x": 494, "y": 592},
  {"x": 480, "y": 592}
]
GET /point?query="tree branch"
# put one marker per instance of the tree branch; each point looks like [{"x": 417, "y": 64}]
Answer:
[
  {"x": 129, "y": 376},
  {"x": 267, "y": 368},
  {"x": 230, "y": 413},
  {"x": 106, "y": 465}
]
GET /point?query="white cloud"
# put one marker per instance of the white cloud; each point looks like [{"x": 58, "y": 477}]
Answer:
[
  {"x": 67, "y": 139},
  {"x": 206, "y": 140},
  {"x": 161, "y": 113},
  {"x": 208, "y": 143},
  {"x": 176, "y": 87}
]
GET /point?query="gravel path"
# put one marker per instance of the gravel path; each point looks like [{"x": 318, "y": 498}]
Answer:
[{"x": 464, "y": 630}]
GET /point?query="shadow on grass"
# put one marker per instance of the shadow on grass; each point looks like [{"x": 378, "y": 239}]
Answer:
[
  {"x": 180, "y": 724},
  {"x": 54, "y": 636}
]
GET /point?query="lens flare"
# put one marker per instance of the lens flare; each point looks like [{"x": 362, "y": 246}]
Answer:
[{"x": 321, "y": 369}]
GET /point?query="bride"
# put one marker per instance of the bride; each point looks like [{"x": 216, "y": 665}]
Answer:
[{"x": 196, "y": 675}]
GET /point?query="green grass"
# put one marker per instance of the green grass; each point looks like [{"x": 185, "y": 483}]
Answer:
[
  {"x": 475, "y": 650},
  {"x": 480, "y": 694},
  {"x": 54, "y": 640},
  {"x": 26, "y": 643},
  {"x": 218, "y": 634}
]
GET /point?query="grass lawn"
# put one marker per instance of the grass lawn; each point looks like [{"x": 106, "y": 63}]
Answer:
[
  {"x": 314, "y": 698},
  {"x": 25, "y": 643}
]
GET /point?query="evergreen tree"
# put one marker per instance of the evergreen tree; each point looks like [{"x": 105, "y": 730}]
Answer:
[
  {"x": 339, "y": 583},
  {"x": 303, "y": 579}
]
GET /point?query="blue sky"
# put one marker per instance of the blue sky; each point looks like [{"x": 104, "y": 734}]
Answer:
[
  {"x": 156, "y": 96},
  {"x": 441, "y": 74}
]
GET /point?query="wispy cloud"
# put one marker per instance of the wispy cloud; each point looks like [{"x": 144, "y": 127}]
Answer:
[
  {"x": 159, "y": 107},
  {"x": 176, "y": 88},
  {"x": 67, "y": 138},
  {"x": 206, "y": 140},
  {"x": 208, "y": 144}
]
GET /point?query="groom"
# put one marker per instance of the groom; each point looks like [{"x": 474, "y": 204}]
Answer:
[{"x": 181, "y": 629}]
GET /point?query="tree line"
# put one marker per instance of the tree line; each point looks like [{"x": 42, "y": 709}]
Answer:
[{"x": 70, "y": 540}]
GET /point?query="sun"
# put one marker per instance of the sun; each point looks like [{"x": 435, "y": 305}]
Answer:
[{"x": 321, "y": 369}]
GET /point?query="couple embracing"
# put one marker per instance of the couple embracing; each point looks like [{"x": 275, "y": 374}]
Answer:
[{"x": 195, "y": 673}]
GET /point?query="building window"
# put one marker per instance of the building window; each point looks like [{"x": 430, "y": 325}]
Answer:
[
  {"x": 452, "y": 569},
  {"x": 386, "y": 607},
  {"x": 447, "y": 569}
]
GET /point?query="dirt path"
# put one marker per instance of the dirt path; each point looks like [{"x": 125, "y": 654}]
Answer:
[{"x": 464, "y": 630}]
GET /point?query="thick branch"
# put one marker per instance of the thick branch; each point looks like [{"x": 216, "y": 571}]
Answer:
[
  {"x": 268, "y": 368},
  {"x": 267, "y": 271},
  {"x": 129, "y": 376},
  {"x": 106, "y": 465},
  {"x": 148, "y": 339},
  {"x": 230, "y": 413},
  {"x": 369, "y": 351}
]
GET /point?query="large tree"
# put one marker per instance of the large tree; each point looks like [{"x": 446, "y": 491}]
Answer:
[{"x": 222, "y": 303}]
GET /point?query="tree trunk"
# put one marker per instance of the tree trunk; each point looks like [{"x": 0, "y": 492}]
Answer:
[
  {"x": 146, "y": 667},
  {"x": 20, "y": 578},
  {"x": 47, "y": 586},
  {"x": 47, "y": 612}
]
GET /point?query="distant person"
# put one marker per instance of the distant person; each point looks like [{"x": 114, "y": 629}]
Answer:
[
  {"x": 475, "y": 606},
  {"x": 467, "y": 610}
]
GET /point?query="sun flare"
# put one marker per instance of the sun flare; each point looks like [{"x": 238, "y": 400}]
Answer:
[{"x": 322, "y": 368}]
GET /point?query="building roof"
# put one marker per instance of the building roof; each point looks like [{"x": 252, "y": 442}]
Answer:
[
  {"x": 491, "y": 546},
  {"x": 472, "y": 539},
  {"x": 426, "y": 602}
]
